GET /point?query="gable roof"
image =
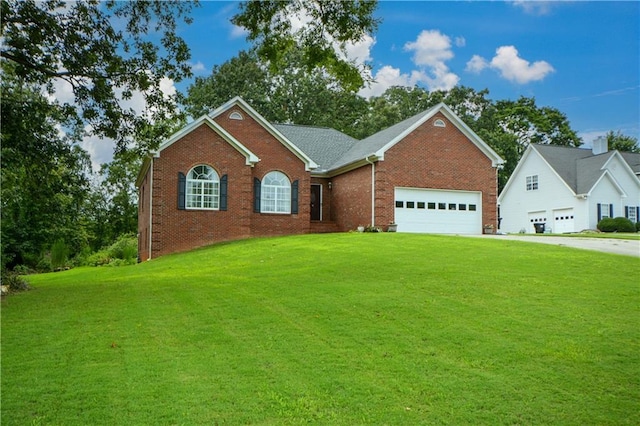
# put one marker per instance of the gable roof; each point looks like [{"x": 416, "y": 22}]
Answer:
[
  {"x": 239, "y": 102},
  {"x": 379, "y": 143},
  {"x": 579, "y": 168}
]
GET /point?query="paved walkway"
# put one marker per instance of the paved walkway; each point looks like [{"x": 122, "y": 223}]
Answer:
[{"x": 607, "y": 245}]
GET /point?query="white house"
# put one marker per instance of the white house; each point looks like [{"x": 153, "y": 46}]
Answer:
[{"x": 570, "y": 189}]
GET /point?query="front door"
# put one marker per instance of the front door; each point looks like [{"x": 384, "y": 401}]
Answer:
[{"x": 316, "y": 202}]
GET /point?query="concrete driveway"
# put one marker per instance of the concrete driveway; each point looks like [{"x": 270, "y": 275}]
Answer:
[{"x": 607, "y": 245}]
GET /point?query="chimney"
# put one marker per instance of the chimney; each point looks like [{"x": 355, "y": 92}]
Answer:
[{"x": 600, "y": 145}]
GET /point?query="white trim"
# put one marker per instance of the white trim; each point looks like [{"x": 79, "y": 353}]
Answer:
[
  {"x": 496, "y": 160},
  {"x": 238, "y": 101},
  {"x": 150, "y": 210},
  {"x": 624, "y": 162},
  {"x": 251, "y": 158},
  {"x": 613, "y": 180},
  {"x": 373, "y": 190}
]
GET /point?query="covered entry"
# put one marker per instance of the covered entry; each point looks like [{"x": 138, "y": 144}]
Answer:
[{"x": 438, "y": 211}]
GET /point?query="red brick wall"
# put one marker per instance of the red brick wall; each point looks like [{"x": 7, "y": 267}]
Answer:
[
  {"x": 439, "y": 158},
  {"x": 351, "y": 198},
  {"x": 273, "y": 156},
  {"x": 177, "y": 230}
]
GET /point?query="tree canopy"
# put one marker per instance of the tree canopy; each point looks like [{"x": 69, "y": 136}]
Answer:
[
  {"x": 103, "y": 51},
  {"x": 319, "y": 30}
]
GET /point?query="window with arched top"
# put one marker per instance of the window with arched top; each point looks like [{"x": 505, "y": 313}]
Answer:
[
  {"x": 202, "y": 188},
  {"x": 235, "y": 115},
  {"x": 275, "y": 193},
  {"x": 439, "y": 123}
]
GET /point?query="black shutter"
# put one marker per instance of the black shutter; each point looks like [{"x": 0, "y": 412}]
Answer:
[
  {"x": 294, "y": 197},
  {"x": 637, "y": 214},
  {"x": 256, "y": 195},
  {"x": 626, "y": 212},
  {"x": 182, "y": 186},
  {"x": 611, "y": 210},
  {"x": 599, "y": 212},
  {"x": 223, "y": 193}
]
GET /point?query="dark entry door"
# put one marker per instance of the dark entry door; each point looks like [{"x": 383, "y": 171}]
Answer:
[{"x": 316, "y": 202}]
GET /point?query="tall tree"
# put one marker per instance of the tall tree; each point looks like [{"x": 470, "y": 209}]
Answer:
[
  {"x": 44, "y": 176},
  {"x": 322, "y": 32},
  {"x": 103, "y": 51},
  {"x": 293, "y": 95},
  {"x": 622, "y": 142}
]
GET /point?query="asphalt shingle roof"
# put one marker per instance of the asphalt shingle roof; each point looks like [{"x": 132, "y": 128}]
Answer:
[
  {"x": 579, "y": 167},
  {"x": 323, "y": 145}
]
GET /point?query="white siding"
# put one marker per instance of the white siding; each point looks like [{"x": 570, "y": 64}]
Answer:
[{"x": 517, "y": 204}]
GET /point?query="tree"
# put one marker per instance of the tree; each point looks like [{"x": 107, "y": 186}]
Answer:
[
  {"x": 622, "y": 142},
  {"x": 44, "y": 182},
  {"x": 326, "y": 27},
  {"x": 105, "y": 51},
  {"x": 293, "y": 95}
]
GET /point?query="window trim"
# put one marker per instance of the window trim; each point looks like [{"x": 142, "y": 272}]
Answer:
[
  {"x": 532, "y": 183},
  {"x": 189, "y": 181},
  {"x": 282, "y": 194}
]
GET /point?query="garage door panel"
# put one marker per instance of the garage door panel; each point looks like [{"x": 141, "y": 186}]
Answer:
[{"x": 437, "y": 211}]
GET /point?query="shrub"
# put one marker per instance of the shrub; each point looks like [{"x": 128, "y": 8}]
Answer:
[
  {"x": 13, "y": 281},
  {"x": 59, "y": 254},
  {"x": 637, "y": 226},
  {"x": 123, "y": 252},
  {"x": 617, "y": 224}
]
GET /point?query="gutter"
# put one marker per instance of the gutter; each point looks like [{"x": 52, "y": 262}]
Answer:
[
  {"x": 150, "y": 210},
  {"x": 373, "y": 188}
]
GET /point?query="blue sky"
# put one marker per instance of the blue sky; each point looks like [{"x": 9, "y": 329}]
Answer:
[
  {"x": 579, "y": 57},
  {"x": 582, "y": 58}
]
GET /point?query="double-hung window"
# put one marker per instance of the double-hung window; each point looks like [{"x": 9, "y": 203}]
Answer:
[
  {"x": 203, "y": 188},
  {"x": 532, "y": 182},
  {"x": 276, "y": 193}
]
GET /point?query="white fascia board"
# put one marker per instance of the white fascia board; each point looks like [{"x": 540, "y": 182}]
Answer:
[
  {"x": 308, "y": 162},
  {"x": 613, "y": 180},
  {"x": 624, "y": 162},
  {"x": 496, "y": 160},
  {"x": 515, "y": 172},
  {"x": 251, "y": 158}
]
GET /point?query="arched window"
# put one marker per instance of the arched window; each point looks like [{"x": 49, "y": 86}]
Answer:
[
  {"x": 203, "y": 188},
  {"x": 276, "y": 193},
  {"x": 439, "y": 123}
]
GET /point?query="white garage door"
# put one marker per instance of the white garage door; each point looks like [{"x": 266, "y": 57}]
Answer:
[
  {"x": 438, "y": 211},
  {"x": 563, "y": 221}
]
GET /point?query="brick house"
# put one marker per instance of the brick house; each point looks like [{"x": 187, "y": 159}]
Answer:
[{"x": 232, "y": 175}]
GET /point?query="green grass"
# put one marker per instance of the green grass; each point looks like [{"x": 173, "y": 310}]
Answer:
[{"x": 331, "y": 329}]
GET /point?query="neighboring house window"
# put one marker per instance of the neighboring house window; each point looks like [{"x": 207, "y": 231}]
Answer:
[
  {"x": 631, "y": 213},
  {"x": 275, "y": 193},
  {"x": 532, "y": 182},
  {"x": 203, "y": 188},
  {"x": 604, "y": 211}
]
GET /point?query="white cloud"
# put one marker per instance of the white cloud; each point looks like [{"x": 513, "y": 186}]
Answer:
[
  {"x": 532, "y": 7},
  {"x": 198, "y": 67},
  {"x": 476, "y": 64},
  {"x": 431, "y": 48},
  {"x": 360, "y": 52},
  {"x": 238, "y": 32},
  {"x": 511, "y": 66},
  {"x": 386, "y": 77},
  {"x": 514, "y": 68},
  {"x": 460, "y": 41}
]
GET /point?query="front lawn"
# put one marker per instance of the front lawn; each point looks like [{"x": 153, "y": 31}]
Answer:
[{"x": 331, "y": 329}]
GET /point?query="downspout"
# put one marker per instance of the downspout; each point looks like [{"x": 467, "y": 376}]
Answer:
[
  {"x": 151, "y": 209},
  {"x": 373, "y": 189}
]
